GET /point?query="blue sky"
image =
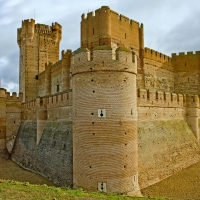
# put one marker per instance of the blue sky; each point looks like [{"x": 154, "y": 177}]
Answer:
[{"x": 171, "y": 26}]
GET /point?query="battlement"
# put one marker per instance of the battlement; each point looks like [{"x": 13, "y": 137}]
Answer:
[
  {"x": 2, "y": 92},
  {"x": 103, "y": 60},
  {"x": 106, "y": 10},
  {"x": 155, "y": 55},
  {"x": 90, "y": 15},
  {"x": 182, "y": 54},
  {"x": 14, "y": 96},
  {"x": 56, "y": 26},
  {"x": 27, "y": 22},
  {"x": 42, "y": 26},
  {"x": 29, "y": 28},
  {"x": 57, "y": 100},
  {"x": 64, "y": 53},
  {"x": 153, "y": 98}
]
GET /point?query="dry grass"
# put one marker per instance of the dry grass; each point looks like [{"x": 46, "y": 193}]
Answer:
[
  {"x": 17, "y": 183},
  {"x": 183, "y": 185}
]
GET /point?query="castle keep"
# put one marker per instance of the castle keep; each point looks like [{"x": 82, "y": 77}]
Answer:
[{"x": 112, "y": 116}]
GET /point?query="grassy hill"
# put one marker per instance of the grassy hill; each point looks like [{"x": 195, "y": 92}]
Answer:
[{"x": 14, "y": 190}]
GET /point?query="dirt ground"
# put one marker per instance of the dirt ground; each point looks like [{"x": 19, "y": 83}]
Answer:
[
  {"x": 11, "y": 171},
  {"x": 184, "y": 185}
]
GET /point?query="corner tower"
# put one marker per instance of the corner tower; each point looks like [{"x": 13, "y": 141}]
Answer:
[
  {"x": 38, "y": 44},
  {"x": 107, "y": 27},
  {"x": 105, "y": 147}
]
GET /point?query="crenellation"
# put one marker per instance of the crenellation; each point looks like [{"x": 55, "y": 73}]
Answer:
[
  {"x": 152, "y": 54},
  {"x": 159, "y": 99},
  {"x": 189, "y": 53},
  {"x": 2, "y": 92},
  {"x": 57, "y": 100},
  {"x": 103, "y": 60}
]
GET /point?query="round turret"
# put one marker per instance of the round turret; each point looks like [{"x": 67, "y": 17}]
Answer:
[{"x": 105, "y": 146}]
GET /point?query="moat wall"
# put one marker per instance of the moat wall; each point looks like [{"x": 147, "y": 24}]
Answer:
[
  {"x": 52, "y": 157},
  {"x": 165, "y": 147}
]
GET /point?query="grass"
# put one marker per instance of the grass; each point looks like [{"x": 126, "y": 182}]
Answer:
[{"x": 13, "y": 190}]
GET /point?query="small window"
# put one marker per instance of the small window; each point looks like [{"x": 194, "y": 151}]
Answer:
[
  {"x": 125, "y": 35},
  {"x": 36, "y": 77},
  {"x": 57, "y": 88}
]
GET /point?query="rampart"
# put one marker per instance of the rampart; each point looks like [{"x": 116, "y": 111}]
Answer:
[
  {"x": 168, "y": 134},
  {"x": 44, "y": 143},
  {"x": 186, "y": 67},
  {"x": 153, "y": 55}
]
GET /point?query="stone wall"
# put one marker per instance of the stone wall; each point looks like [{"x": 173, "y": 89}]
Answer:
[
  {"x": 165, "y": 147},
  {"x": 52, "y": 157}
]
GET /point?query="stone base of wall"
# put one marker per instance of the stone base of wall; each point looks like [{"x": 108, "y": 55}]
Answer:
[
  {"x": 165, "y": 147},
  {"x": 52, "y": 157}
]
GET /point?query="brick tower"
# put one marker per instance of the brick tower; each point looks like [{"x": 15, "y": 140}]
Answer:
[
  {"x": 38, "y": 44},
  {"x": 105, "y": 147},
  {"x": 107, "y": 27}
]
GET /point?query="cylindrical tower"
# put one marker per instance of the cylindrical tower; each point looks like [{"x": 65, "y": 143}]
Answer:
[{"x": 105, "y": 145}]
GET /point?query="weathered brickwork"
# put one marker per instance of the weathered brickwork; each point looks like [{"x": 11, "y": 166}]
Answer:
[
  {"x": 111, "y": 116},
  {"x": 165, "y": 147},
  {"x": 103, "y": 143},
  {"x": 52, "y": 157}
]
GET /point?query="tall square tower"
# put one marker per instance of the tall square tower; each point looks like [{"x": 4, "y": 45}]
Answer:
[{"x": 38, "y": 44}]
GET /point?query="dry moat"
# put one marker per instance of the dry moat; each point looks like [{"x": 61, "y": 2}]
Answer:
[{"x": 180, "y": 186}]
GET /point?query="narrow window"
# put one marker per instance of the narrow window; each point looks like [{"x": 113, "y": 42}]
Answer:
[
  {"x": 93, "y": 31},
  {"x": 125, "y": 35}
]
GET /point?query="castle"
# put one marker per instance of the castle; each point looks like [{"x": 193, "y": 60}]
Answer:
[{"x": 111, "y": 116}]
